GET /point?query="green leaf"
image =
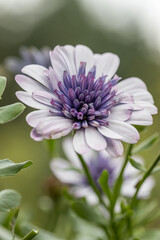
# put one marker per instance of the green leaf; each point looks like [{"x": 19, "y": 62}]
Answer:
[
  {"x": 146, "y": 144},
  {"x": 9, "y": 199},
  {"x": 10, "y": 112},
  {"x": 9, "y": 168},
  {"x": 3, "y": 81},
  {"x": 31, "y": 235},
  {"x": 86, "y": 212},
  {"x": 103, "y": 181},
  {"x": 117, "y": 187},
  {"x": 137, "y": 165}
]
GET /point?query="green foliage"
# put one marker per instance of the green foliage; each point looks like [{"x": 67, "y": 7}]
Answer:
[
  {"x": 6, "y": 235},
  {"x": 151, "y": 235},
  {"x": 103, "y": 181},
  {"x": 146, "y": 144},
  {"x": 137, "y": 165},
  {"x": 9, "y": 168},
  {"x": 3, "y": 81},
  {"x": 9, "y": 199},
  {"x": 32, "y": 234}
]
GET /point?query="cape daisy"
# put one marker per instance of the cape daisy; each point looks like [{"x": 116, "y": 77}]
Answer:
[{"x": 81, "y": 93}]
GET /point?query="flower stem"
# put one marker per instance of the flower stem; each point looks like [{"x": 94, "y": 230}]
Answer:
[
  {"x": 146, "y": 175},
  {"x": 91, "y": 181}
]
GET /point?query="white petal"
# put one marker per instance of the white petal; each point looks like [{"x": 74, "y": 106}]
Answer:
[
  {"x": 141, "y": 117},
  {"x": 70, "y": 152},
  {"x": 107, "y": 132},
  {"x": 27, "y": 99},
  {"x": 87, "y": 192},
  {"x": 95, "y": 139},
  {"x": 106, "y": 64},
  {"x": 83, "y": 54},
  {"x": 63, "y": 170},
  {"x": 35, "y": 117},
  {"x": 114, "y": 147},
  {"x": 128, "y": 132},
  {"x": 130, "y": 84},
  {"x": 34, "y": 135},
  {"x": 79, "y": 142},
  {"x": 147, "y": 106},
  {"x": 44, "y": 97},
  {"x": 146, "y": 188},
  {"x": 28, "y": 84},
  {"x": 37, "y": 72},
  {"x": 141, "y": 95},
  {"x": 63, "y": 59},
  {"x": 121, "y": 112}
]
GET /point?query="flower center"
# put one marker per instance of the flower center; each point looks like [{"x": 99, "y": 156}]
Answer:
[{"x": 85, "y": 99}]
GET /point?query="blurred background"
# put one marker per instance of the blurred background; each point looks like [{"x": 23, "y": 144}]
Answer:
[{"x": 131, "y": 29}]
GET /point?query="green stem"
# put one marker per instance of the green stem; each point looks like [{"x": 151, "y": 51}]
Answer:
[
  {"x": 31, "y": 235},
  {"x": 129, "y": 150},
  {"x": 91, "y": 181},
  {"x": 146, "y": 175}
]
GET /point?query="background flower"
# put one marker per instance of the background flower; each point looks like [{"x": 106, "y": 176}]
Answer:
[
  {"x": 81, "y": 92},
  {"x": 71, "y": 173},
  {"x": 28, "y": 55}
]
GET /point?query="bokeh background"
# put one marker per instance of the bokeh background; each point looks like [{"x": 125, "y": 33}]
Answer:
[{"x": 130, "y": 29}]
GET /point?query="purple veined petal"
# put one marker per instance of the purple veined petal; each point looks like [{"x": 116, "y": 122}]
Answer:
[
  {"x": 84, "y": 54},
  {"x": 130, "y": 84},
  {"x": 62, "y": 59},
  {"x": 27, "y": 99},
  {"x": 128, "y": 132},
  {"x": 114, "y": 147},
  {"x": 124, "y": 98},
  {"x": 28, "y": 84},
  {"x": 142, "y": 95},
  {"x": 95, "y": 139},
  {"x": 63, "y": 170},
  {"x": 107, "y": 132},
  {"x": 70, "y": 153},
  {"x": 121, "y": 112},
  {"x": 106, "y": 64},
  {"x": 35, "y": 117},
  {"x": 62, "y": 133},
  {"x": 44, "y": 97},
  {"x": 79, "y": 142},
  {"x": 53, "y": 77},
  {"x": 36, "y": 136},
  {"x": 141, "y": 117},
  {"x": 146, "y": 106},
  {"x": 37, "y": 72}
]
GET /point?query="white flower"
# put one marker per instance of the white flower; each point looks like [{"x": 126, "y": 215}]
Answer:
[
  {"x": 81, "y": 93},
  {"x": 71, "y": 173}
]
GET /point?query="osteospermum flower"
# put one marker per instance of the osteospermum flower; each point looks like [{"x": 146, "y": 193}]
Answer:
[
  {"x": 81, "y": 93},
  {"x": 71, "y": 173},
  {"x": 28, "y": 55}
]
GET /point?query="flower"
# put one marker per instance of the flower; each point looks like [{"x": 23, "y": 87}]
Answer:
[
  {"x": 81, "y": 93},
  {"x": 28, "y": 55},
  {"x": 70, "y": 172}
]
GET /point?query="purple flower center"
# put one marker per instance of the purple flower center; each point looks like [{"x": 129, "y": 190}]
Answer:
[
  {"x": 84, "y": 99},
  {"x": 96, "y": 167}
]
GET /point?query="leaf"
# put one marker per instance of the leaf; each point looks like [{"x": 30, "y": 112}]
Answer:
[
  {"x": 9, "y": 168},
  {"x": 9, "y": 199},
  {"x": 146, "y": 144},
  {"x": 103, "y": 181},
  {"x": 117, "y": 187},
  {"x": 3, "y": 81},
  {"x": 86, "y": 212},
  {"x": 137, "y": 165},
  {"x": 10, "y": 112},
  {"x": 32, "y": 234}
]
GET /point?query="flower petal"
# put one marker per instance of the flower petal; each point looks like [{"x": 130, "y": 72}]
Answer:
[
  {"x": 130, "y": 84},
  {"x": 114, "y": 147},
  {"x": 63, "y": 170},
  {"x": 83, "y": 54},
  {"x": 107, "y": 132},
  {"x": 28, "y": 84},
  {"x": 147, "y": 106},
  {"x": 106, "y": 64},
  {"x": 79, "y": 142},
  {"x": 128, "y": 132},
  {"x": 37, "y": 72},
  {"x": 35, "y": 117},
  {"x": 121, "y": 112},
  {"x": 141, "y": 117},
  {"x": 94, "y": 139},
  {"x": 27, "y": 99}
]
